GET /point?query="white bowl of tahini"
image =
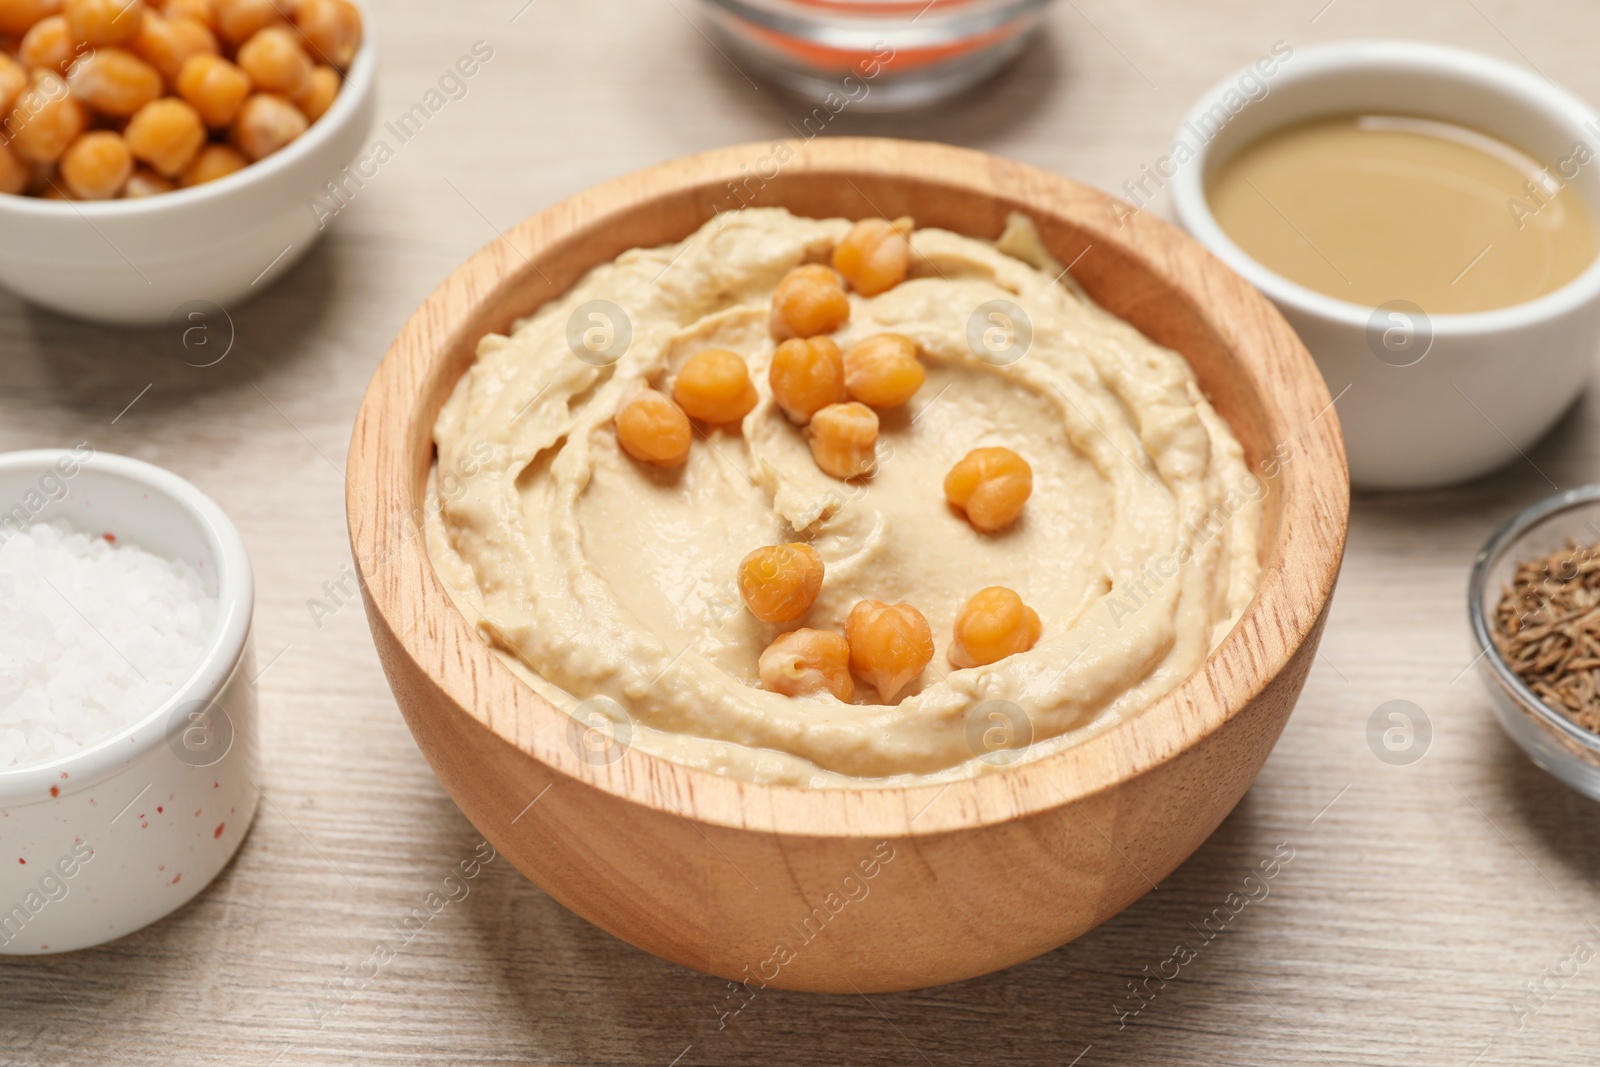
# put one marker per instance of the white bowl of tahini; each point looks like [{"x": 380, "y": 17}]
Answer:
[{"x": 1424, "y": 399}]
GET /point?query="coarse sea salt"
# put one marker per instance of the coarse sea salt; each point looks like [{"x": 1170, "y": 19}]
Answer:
[{"x": 93, "y": 637}]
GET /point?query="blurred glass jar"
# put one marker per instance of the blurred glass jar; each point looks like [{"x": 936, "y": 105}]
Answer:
[{"x": 876, "y": 55}]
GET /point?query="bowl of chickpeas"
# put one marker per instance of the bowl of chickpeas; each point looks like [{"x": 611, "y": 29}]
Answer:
[
  {"x": 703, "y": 847},
  {"x": 156, "y": 156}
]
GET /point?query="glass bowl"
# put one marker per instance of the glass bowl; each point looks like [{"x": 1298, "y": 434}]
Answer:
[
  {"x": 1549, "y": 737},
  {"x": 874, "y": 55}
]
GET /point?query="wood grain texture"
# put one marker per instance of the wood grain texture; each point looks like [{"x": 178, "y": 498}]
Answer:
[
  {"x": 1420, "y": 899},
  {"x": 622, "y": 841}
]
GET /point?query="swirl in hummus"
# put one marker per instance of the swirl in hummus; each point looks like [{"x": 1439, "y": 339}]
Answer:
[{"x": 600, "y": 577}]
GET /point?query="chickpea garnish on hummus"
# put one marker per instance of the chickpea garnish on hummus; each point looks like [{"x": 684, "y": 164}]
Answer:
[
  {"x": 874, "y": 255},
  {"x": 807, "y": 375},
  {"x": 843, "y": 439},
  {"x": 780, "y": 582},
  {"x": 810, "y": 300},
  {"x": 806, "y": 662},
  {"x": 994, "y": 624},
  {"x": 801, "y": 525},
  {"x": 715, "y": 387},
  {"x": 882, "y": 371},
  {"x": 653, "y": 429},
  {"x": 890, "y": 644},
  {"x": 990, "y": 485}
]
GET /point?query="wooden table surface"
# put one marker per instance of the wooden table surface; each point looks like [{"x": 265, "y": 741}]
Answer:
[{"x": 1421, "y": 900}]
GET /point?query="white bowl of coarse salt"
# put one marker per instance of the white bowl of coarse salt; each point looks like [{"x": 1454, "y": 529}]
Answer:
[{"x": 127, "y": 706}]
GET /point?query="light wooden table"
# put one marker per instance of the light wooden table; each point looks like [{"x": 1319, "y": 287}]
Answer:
[{"x": 1420, "y": 900}]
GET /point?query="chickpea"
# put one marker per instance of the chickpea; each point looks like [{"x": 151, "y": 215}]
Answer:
[
  {"x": 199, "y": 10},
  {"x": 874, "y": 255},
  {"x": 114, "y": 81},
  {"x": 95, "y": 166},
  {"x": 146, "y": 182},
  {"x": 266, "y": 123},
  {"x": 803, "y": 662},
  {"x": 808, "y": 301},
  {"x": 332, "y": 30},
  {"x": 806, "y": 375},
  {"x": 166, "y": 134},
  {"x": 779, "y": 583},
  {"x": 13, "y": 79},
  {"x": 14, "y": 172},
  {"x": 238, "y": 20},
  {"x": 17, "y": 16},
  {"x": 214, "y": 86},
  {"x": 165, "y": 43},
  {"x": 47, "y": 45},
  {"x": 714, "y": 386},
  {"x": 652, "y": 429},
  {"x": 46, "y": 119},
  {"x": 883, "y": 371},
  {"x": 212, "y": 162},
  {"x": 318, "y": 95},
  {"x": 844, "y": 440},
  {"x": 994, "y": 624},
  {"x": 890, "y": 644},
  {"x": 275, "y": 61},
  {"x": 104, "y": 22},
  {"x": 991, "y": 485}
]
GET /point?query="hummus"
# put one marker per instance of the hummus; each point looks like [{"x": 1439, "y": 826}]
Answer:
[{"x": 611, "y": 584}]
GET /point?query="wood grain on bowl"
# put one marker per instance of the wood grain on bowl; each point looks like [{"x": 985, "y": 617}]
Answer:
[{"x": 854, "y": 889}]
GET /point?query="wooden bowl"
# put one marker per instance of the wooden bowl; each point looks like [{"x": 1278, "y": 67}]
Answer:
[{"x": 853, "y": 890}]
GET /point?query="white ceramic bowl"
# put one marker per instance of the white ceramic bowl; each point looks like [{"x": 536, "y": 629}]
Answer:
[
  {"x": 140, "y": 262},
  {"x": 1422, "y": 402},
  {"x": 100, "y": 843}
]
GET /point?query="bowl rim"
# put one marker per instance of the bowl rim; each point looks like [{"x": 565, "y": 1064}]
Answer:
[
  {"x": 834, "y": 21},
  {"x": 1340, "y": 60},
  {"x": 426, "y": 628},
  {"x": 356, "y": 85},
  {"x": 224, "y": 647},
  {"x": 1500, "y": 543}
]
